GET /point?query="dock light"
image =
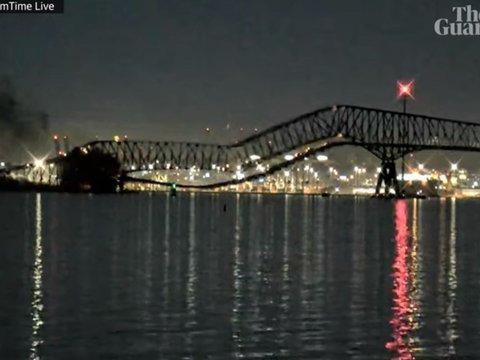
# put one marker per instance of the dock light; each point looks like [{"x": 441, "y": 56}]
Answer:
[
  {"x": 255, "y": 157},
  {"x": 405, "y": 89},
  {"x": 116, "y": 138},
  {"x": 289, "y": 157}
]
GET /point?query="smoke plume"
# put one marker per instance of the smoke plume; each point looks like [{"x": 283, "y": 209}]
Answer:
[{"x": 22, "y": 129}]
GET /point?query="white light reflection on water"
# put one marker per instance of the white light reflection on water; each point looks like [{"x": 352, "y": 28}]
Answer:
[
  {"x": 452, "y": 333},
  {"x": 416, "y": 282},
  {"x": 237, "y": 282},
  {"x": 285, "y": 260},
  {"x": 166, "y": 251},
  {"x": 37, "y": 298},
  {"x": 192, "y": 272}
]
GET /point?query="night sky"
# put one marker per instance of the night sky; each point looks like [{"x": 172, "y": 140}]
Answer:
[{"x": 163, "y": 70}]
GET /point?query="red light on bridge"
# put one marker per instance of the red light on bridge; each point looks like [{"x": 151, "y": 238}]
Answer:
[{"x": 405, "y": 88}]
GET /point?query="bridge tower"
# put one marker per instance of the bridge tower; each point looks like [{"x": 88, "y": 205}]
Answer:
[{"x": 388, "y": 176}]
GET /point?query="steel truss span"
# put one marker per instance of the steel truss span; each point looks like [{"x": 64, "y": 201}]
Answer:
[{"x": 388, "y": 135}]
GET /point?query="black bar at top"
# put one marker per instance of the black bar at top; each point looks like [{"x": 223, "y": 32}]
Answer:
[{"x": 31, "y": 7}]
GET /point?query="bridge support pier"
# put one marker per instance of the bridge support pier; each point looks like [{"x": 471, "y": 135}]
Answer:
[{"x": 388, "y": 176}]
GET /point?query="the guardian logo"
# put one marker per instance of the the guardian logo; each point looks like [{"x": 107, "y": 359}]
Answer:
[{"x": 466, "y": 22}]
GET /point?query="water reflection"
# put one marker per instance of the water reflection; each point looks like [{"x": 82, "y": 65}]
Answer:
[
  {"x": 416, "y": 324},
  {"x": 270, "y": 277},
  {"x": 37, "y": 298},
  {"x": 451, "y": 332},
  {"x": 401, "y": 324},
  {"x": 416, "y": 284},
  {"x": 237, "y": 341}
]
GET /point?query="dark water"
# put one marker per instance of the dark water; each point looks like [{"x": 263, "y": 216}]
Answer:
[{"x": 154, "y": 277}]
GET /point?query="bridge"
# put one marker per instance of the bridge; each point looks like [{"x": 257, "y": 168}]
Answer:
[{"x": 388, "y": 135}]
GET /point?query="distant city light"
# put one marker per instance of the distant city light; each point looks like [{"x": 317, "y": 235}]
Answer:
[
  {"x": 454, "y": 167},
  {"x": 39, "y": 163},
  {"x": 239, "y": 175},
  {"x": 322, "y": 157},
  {"x": 413, "y": 177},
  {"x": 255, "y": 157},
  {"x": 363, "y": 191},
  {"x": 421, "y": 166},
  {"x": 289, "y": 157}
]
